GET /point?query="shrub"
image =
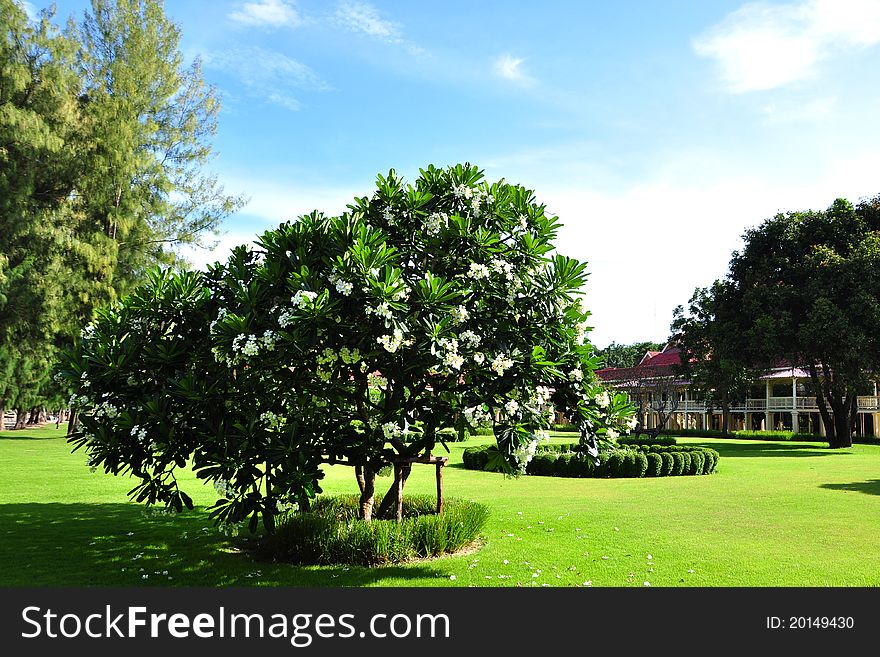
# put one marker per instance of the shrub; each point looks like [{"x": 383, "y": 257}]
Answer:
[
  {"x": 613, "y": 463},
  {"x": 562, "y": 460},
  {"x": 450, "y": 435},
  {"x": 685, "y": 463},
  {"x": 476, "y": 458},
  {"x": 653, "y": 464},
  {"x": 542, "y": 464},
  {"x": 331, "y": 533},
  {"x": 646, "y": 440},
  {"x": 697, "y": 462},
  {"x": 677, "y": 464},
  {"x": 563, "y": 427},
  {"x": 711, "y": 460},
  {"x": 581, "y": 467}
]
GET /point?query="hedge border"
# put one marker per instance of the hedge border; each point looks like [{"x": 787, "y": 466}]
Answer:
[{"x": 630, "y": 461}]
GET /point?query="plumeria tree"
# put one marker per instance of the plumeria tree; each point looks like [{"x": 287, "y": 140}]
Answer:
[{"x": 440, "y": 303}]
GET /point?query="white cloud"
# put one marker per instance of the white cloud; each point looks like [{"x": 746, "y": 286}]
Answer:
[
  {"x": 363, "y": 17},
  {"x": 267, "y": 13},
  {"x": 649, "y": 244},
  {"x": 266, "y": 74},
  {"x": 510, "y": 68},
  {"x": 761, "y": 46}
]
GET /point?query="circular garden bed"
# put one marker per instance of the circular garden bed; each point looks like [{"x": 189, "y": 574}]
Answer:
[{"x": 332, "y": 533}]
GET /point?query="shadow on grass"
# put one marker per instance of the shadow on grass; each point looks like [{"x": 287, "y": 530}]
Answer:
[
  {"x": 116, "y": 545},
  {"x": 19, "y": 434},
  {"x": 870, "y": 487},
  {"x": 768, "y": 449}
]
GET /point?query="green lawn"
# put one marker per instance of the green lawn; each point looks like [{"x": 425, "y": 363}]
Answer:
[{"x": 775, "y": 514}]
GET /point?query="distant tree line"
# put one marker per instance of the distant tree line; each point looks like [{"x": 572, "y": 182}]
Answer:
[{"x": 104, "y": 133}]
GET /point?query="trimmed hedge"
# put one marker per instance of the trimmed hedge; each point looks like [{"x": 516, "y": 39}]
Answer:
[
  {"x": 646, "y": 440},
  {"x": 561, "y": 460},
  {"x": 655, "y": 464}
]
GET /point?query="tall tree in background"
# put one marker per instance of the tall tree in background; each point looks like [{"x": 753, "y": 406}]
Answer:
[
  {"x": 148, "y": 121},
  {"x": 806, "y": 288},
  {"x": 626, "y": 355},
  {"x": 103, "y": 136},
  {"x": 710, "y": 351},
  {"x": 38, "y": 151}
]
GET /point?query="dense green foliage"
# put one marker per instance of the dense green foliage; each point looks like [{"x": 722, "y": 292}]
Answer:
[
  {"x": 103, "y": 136},
  {"x": 626, "y": 355}
]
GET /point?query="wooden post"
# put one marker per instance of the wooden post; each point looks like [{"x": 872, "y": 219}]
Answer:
[{"x": 439, "y": 466}]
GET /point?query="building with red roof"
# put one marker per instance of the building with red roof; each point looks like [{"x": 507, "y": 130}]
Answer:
[{"x": 780, "y": 400}]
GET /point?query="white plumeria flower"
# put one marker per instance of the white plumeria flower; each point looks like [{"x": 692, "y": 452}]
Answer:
[
  {"x": 501, "y": 363},
  {"x": 391, "y": 343},
  {"x": 478, "y": 271},
  {"x": 460, "y": 315},
  {"x": 303, "y": 297}
]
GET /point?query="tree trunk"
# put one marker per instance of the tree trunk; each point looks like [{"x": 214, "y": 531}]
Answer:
[
  {"x": 842, "y": 423},
  {"x": 824, "y": 413},
  {"x": 21, "y": 417},
  {"x": 725, "y": 413},
  {"x": 389, "y": 507},
  {"x": 71, "y": 421},
  {"x": 2, "y": 418},
  {"x": 366, "y": 478}
]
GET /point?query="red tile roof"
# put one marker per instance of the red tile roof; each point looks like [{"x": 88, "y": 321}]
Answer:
[{"x": 654, "y": 364}]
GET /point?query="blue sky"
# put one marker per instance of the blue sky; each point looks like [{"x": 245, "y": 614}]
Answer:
[{"x": 657, "y": 131}]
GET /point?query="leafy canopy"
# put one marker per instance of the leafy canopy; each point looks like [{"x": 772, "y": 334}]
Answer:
[{"x": 355, "y": 338}]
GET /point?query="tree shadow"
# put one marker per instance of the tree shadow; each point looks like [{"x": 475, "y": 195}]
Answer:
[
  {"x": 15, "y": 434},
  {"x": 119, "y": 545},
  {"x": 870, "y": 487},
  {"x": 746, "y": 450}
]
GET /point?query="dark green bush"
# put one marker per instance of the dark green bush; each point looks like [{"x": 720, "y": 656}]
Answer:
[
  {"x": 561, "y": 460},
  {"x": 612, "y": 463},
  {"x": 685, "y": 463},
  {"x": 677, "y": 464},
  {"x": 542, "y": 464},
  {"x": 654, "y": 464},
  {"x": 697, "y": 462},
  {"x": 641, "y": 465},
  {"x": 646, "y": 440},
  {"x": 711, "y": 460},
  {"x": 331, "y": 533},
  {"x": 562, "y": 464},
  {"x": 476, "y": 458}
]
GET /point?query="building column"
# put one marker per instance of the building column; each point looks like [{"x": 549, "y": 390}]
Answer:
[
  {"x": 748, "y": 426},
  {"x": 821, "y": 426},
  {"x": 794, "y": 422}
]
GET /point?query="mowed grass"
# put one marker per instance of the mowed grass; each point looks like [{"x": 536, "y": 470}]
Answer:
[{"x": 775, "y": 514}]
